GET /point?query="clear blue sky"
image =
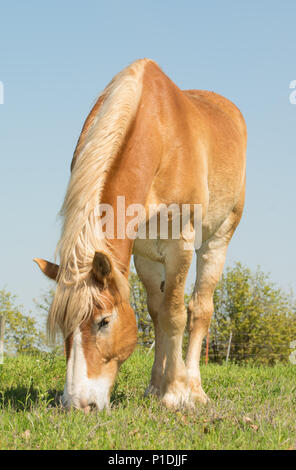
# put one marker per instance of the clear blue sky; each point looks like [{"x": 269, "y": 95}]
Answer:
[{"x": 55, "y": 57}]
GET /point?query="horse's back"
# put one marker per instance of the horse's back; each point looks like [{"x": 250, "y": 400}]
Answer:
[{"x": 217, "y": 106}]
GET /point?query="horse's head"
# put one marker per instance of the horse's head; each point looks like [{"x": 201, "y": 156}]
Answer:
[{"x": 101, "y": 342}]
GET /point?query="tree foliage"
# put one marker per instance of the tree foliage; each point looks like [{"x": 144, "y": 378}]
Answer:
[
  {"x": 43, "y": 305},
  {"x": 139, "y": 303},
  {"x": 261, "y": 317},
  {"x": 21, "y": 331}
]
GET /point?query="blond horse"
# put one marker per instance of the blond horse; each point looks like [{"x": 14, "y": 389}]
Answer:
[{"x": 152, "y": 144}]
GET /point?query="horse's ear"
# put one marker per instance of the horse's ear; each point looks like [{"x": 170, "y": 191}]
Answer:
[
  {"x": 49, "y": 269},
  {"x": 102, "y": 267}
]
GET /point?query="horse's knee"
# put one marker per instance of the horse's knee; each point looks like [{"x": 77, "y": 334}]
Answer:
[
  {"x": 153, "y": 305},
  {"x": 172, "y": 320},
  {"x": 200, "y": 312}
]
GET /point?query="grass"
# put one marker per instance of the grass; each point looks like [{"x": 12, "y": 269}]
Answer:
[{"x": 252, "y": 407}]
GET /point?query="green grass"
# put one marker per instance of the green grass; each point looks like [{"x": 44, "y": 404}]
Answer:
[{"x": 252, "y": 407}]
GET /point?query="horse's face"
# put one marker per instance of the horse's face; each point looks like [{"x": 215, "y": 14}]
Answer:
[
  {"x": 94, "y": 353},
  {"x": 98, "y": 346}
]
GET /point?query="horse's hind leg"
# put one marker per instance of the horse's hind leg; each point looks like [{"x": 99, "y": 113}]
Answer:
[
  {"x": 210, "y": 262},
  {"x": 151, "y": 274}
]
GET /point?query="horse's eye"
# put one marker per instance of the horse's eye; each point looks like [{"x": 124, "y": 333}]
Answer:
[{"x": 103, "y": 323}]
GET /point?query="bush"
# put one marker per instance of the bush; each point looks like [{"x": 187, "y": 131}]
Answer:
[
  {"x": 261, "y": 317},
  {"x": 21, "y": 333}
]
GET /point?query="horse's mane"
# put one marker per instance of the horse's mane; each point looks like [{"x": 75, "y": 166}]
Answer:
[{"x": 98, "y": 146}]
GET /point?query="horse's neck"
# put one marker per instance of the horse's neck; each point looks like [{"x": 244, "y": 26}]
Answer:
[
  {"x": 133, "y": 171},
  {"x": 128, "y": 184}
]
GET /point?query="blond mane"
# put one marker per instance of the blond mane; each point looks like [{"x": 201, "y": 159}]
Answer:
[{"x": 81, "y": 236}]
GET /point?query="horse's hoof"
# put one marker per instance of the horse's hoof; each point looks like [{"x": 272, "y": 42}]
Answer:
[{"x": 151, "y": 390}]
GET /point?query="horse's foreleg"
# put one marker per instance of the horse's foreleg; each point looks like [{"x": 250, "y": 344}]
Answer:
[
  {"x": 151, "y": 274},
  {"x": 172, "y": 318},
  {"x": 210, "y": 262}
]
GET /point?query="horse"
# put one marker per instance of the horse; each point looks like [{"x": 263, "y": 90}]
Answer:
[{"x": 150, "y": 143}]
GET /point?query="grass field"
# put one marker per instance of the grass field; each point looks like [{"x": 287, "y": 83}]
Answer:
[{"x": 251, "y": 408}]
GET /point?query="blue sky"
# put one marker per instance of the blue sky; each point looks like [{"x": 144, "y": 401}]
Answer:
[{"x": 55, "y": 58}]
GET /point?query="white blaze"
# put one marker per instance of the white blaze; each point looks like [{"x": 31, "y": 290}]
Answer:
[{"x": 80, "y": 390}]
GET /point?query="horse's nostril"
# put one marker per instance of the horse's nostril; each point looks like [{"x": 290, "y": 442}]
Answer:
[
  {"x": 90, "y": 407},
  {"x": 86, "y": 410},
  {"x": 86, "y": 407},
  {"x": 83, "y": 404}
]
